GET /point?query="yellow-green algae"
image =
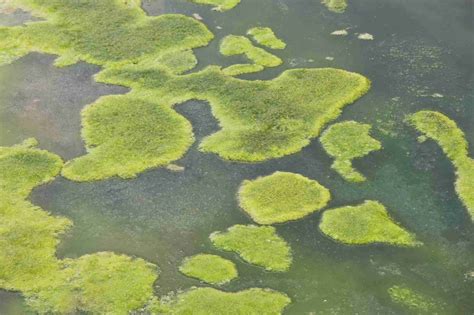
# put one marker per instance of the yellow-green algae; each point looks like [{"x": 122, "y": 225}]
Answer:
[
  {"x": 232, "y": 45},
  {"x": 102, "y": 283},
  {"x": 205, "y": 301},
  {"x": 266, "y": 37},
  {"x": 413, "y": 300},
  {"x": 212, "y": 269},
  {"x": 242, "y": 68},
  {"x": 338, "y": 6},
  {"x": 364, "y": 224},
  {"x": 346, "y": 141},
  {"x": 282, "y": 197},
  {"x": 258, "y": 245},
  {"x": 452, "y": 140},
  {"x": 219, "y": 5}
]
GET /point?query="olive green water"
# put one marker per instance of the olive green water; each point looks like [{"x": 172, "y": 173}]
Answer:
[{"x": 421, "y": 47}]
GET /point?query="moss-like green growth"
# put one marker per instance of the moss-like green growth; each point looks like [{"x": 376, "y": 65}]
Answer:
[
  {"x": 102, "y": 283},
  {"x": 258, "y": 245},
  {"x": 266, "y": 37},
  {"x": 338, "y": 6},
  {"x": 233, "y": 45},
  {"x": 346, "y": 141},
  {"x": 212, "y": 301},
  {"x": 452, "y": 140},
  {"x": 219, "y": 5},
  {"x": 178, "y": 62},
  {"x": 282, "y": 197},
  {"x": 243, "y": 68},
  {"x": 365, "y": 224},
  {"x": 209, "y": 268},
  {"x": 413, "y": 300}
]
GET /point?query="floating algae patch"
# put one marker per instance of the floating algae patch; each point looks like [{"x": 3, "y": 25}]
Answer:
[
  {"x": 219, "y": 5},
  {"x": 258, "y": 245},
  {"x": 29, "y": 236},
  {"x": 233, "y": 45},
  {"x": 282, "y": 197},
  {"x": 209, "y": 268},
  {"x": 413, "y": 300},
  {"x": 266, "y": 37},
  {"x": 243, "y": 68},
  {"x": 127, "y": 135},
  {"x": 452, "y": 140},
  {"x": 338, "y": 6},
  {"x": 346, "y": 141},
  {"x": 212, "y": 301},
  {"x": 178, "y": 62},
  {"x": 365, "y": 224}
]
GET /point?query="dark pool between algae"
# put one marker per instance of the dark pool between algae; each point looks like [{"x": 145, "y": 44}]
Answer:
[{"x": 164, "y": 216}]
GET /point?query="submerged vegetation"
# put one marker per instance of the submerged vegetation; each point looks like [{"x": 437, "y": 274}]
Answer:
[
  {"x": 338, "y": 6},
  {"x": 209, "y": 268},
  {"x": 413, "y": 300},
  {"x": 452, "y": 140},
  {"x": 258, "y": 245},
  {"x": 346, "y": 141},
  {"x": 233, "y": 45},
  {"x": 219, "y": 5},
  {"x": 282, "y": 197},
  {"x": 266, "y": 37},
  {"x": 364, "y": 224}
]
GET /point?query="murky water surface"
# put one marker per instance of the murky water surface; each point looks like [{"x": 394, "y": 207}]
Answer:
[{"x": 421, "y": 47}]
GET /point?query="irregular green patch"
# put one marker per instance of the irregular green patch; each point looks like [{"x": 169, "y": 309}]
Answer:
[
  {"x": 258, "y": 245},
  {"x": 233, "y": 45},
  {"x": 266, "y": 37},
  {"x": 452, "y": 140},
  {"x": 244, "y": 68},
  {"x": 338, "y": 6},
  {"x": 212, "y": 301},
  {"x": 282, "y": 197},
  {"x": 178, "y": 62},
  {"x": 209, "y": 268},
  {"x": 411, "y": 299},
  {"x": 365, "y": 224},
  {"x": 219, "y": 5},
  {"x": 126, "y": 135},
  {"x": 346, "y": 141}
]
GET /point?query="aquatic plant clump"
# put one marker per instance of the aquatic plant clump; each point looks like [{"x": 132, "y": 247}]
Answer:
[
  {"x": 266, "y": 37},
  {"x": 412, "y": 299},
  {"x": 282, "y": 197},
  {"x": 452, "y": 140},
  {"x": 365, "y": 224},
  {"x": 338, "y": 6},
  {"x": 212, "y": 301},
  {"x": 233, "y": 45},
  {"x": 346, "y": 141},
  {"x": 243, "y": 68},
  {"x": 258, "y": 245},
  {"x": 219, "y": 5},
  {"x": 209, "y": 268}
]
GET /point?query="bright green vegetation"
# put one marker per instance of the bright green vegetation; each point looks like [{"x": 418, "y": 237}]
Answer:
[
  {"x": 209, "y": 268},
  {"x": 265, "y": 37},
  {"x": 28, "y": 240},
  {"x": 258, "y": 245},
  {"x": 219, "y": 5},
  {"x": 233, "y": 45},
  {"x": 282, "y": 197},
  {"x": 338, "y": 6},
  {"x": 178, "y": 62},
  {"x": 452, "y": 140},
  {"x": 365, "y": 224},
  {"x": 411, "y": 299},
  {"x": 346, "y": 141},
  {"x": 201, "y": 301},
  {"x": 125, "y": 140},
  {"x": 243, "y": 68}
]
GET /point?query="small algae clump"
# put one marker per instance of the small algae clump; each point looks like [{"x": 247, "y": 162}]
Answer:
[
  {"x": 413, "y": 300},
  {"x": 266, "y": 37},
  {"x": 365, "y": 224},
  {"x": 452, "y": 140},
  {"x": 209, "y": 268},
  {"x": 233, "y": 45},
  {"x": 282, "y": 197},
  {"x": 212, "y": 301},
  {"x": 260, "y": 246},
  {"x": 346, "y": 141},
  {"x": 338, "y": 6},
  {"x": 219, "y": 5},
  {"x": 243, "y": 68}
]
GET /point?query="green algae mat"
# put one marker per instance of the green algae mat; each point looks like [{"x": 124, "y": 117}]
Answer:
[{"x": 236, "y": 157}]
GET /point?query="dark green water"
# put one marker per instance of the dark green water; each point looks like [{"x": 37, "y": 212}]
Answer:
[{"x": 421, "y": 47}]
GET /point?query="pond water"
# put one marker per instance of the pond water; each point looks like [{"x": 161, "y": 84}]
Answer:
[{"x": 421, "y": 48}]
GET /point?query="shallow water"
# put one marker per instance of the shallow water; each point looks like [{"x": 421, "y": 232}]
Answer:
[{"x": 164, "y": 216}]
